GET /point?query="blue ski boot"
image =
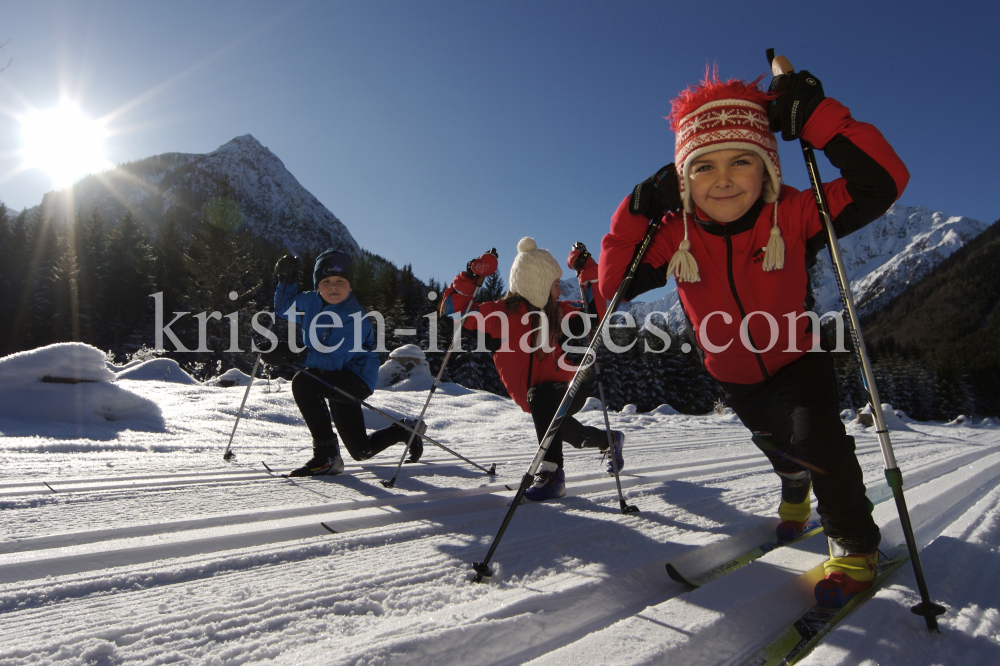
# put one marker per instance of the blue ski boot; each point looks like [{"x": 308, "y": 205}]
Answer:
[
  {"x": 550, "y": 483},
  {"x": 618, "y": 437}
]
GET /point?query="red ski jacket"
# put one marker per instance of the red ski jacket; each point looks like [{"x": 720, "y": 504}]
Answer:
[
  {"x": 512, "y": 363},
  {"x": 734, "y": 288}
]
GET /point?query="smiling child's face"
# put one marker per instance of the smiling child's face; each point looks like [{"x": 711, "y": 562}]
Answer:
[
  {"x": 726, "y": 183},
  {"x": 334, "y": 289}
]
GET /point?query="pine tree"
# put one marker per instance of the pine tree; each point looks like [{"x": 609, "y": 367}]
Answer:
[
  {"x": 492, "y": 289},
  {"x": 40, "y": 289},
  {"x": 7, "y": 276},
  {"x": 128, "y": 309},
  {"x": 224, "y": 259},
  {"x": 91, "y": 251},
  {"x": 17, "y": 269},
  {"x": 170, "y": 274},
  {"x": 953, "y": 389}
]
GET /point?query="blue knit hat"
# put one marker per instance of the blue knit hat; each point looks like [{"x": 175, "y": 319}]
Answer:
[{"x": 333, "y": 263}]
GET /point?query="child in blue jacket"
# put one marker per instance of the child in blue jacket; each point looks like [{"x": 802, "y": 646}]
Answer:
[{"x": 342, "y": 354}]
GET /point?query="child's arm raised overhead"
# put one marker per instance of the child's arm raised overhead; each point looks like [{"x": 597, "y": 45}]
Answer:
[{"x": 873, "y": 176}]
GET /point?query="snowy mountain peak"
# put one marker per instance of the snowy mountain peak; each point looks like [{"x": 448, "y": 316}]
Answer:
[
  {"x": 178, "y": 185},
  {"x": 893, "y": 252},
  {"x": 882, "y": 260}
]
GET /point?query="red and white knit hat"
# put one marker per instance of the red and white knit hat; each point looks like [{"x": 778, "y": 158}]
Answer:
[{"x": 723, "y": 115}]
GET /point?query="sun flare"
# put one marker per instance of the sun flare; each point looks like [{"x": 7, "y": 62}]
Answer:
[{"x": 64, "y": 143}]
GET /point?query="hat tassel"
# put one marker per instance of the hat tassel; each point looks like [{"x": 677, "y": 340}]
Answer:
[
  {"x": 775, "y": 255},
  {"x": 682, "y": 265}
]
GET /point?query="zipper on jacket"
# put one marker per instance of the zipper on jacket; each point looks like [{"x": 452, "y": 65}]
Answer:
[{"x": 743, "y": 314}]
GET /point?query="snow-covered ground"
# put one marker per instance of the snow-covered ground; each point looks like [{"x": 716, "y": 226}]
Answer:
[{"x": 127, "y": 539}]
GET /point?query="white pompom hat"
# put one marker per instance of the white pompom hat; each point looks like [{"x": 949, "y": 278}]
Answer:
[{"x": 533, "y": 272}]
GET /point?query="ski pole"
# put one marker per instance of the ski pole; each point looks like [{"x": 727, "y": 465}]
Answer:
[
  {"x": 305, "y": 371},
  {"x": 625, "y": 506},
  {"x": 482, "y": 568},
  {"x": 437, "y": 380},
  {"x": 926, "y": 608},
  {"x": 229, "y": 455}
]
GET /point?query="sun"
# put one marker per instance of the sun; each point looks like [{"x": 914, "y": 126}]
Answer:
[{"x": 63, "y": 142}]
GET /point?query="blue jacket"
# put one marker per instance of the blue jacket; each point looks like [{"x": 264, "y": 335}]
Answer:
[{"x": 363, "y": 362}]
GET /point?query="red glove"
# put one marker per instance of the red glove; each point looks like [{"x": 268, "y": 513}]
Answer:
[
  {"x": 483, "y": 266},
  {"x": 579, "y": 260},
  {"x": 578, "y": 256},
  {"x": 588, "y": 273}
]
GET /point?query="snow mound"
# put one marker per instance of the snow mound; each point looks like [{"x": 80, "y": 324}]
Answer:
[
  {"x": 590, "y": 405},
  {"x": 665, "y": 409},
  {"x": 894, "y": 419},
  {"x": 231, "y": 377},
  {"x": 68, "y": 361},
  {"x": 629, "y": 409},
  {"x": 69, "y": 383},
  {"x": 118, "y": 368},
  {"x": 159, "y": 370},
  {"x": 406, "y": 370}
]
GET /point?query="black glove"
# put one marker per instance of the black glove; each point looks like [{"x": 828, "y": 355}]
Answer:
[
  {"x": 799, "y": 93},
  {"x": 287, "y": 269},
  {"x": 657, "y": 194}
]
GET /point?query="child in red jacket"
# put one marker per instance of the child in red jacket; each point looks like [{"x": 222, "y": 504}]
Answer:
[
  {"x": 525, "y": 327},
  {"x": 738, "y": 242}
]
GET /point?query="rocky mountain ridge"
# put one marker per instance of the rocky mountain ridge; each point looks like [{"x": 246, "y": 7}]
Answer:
[
  {"x": 178, "y": 185},
  {"x": 882, "y": 259}
]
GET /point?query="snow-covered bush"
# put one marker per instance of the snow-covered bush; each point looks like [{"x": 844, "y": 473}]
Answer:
[{"x": 405, "y": 363}]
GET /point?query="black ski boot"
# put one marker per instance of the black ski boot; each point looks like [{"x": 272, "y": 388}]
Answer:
[
  {"x": 326, "y": 460},
  {"x": 417, "y": 445},
  {"x": 794, "y": 510}
]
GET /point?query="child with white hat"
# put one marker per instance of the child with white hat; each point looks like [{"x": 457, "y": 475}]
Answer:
[{"x": 525, "y": 327}]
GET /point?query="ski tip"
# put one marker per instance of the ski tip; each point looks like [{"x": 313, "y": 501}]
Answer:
[
  {"x": 677, "y": 576},
  {"x": 49, "y": 487},
  {"x": 328, "y": 528},
  {"x": 508, "y": 487}
]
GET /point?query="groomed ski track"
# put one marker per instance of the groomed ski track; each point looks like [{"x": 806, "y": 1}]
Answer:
[{"x": 201, "y": 561}]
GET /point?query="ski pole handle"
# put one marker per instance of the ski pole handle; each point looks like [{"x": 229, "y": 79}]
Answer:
[{"x": 781, "y": 65}]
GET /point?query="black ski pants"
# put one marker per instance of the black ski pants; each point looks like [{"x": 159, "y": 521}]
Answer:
[
  {"x": 543, "y": 401},
  {"x": 312, "y": 399},
  {"x": 795, "y": 420}
]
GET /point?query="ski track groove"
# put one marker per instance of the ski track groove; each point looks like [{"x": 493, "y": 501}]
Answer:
[
  {"x": 269, "y": 588},
  {"x": 182, "y": 479}
]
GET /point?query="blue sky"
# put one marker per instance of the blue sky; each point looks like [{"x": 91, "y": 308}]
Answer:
[{"x": 436, "y": 130}]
